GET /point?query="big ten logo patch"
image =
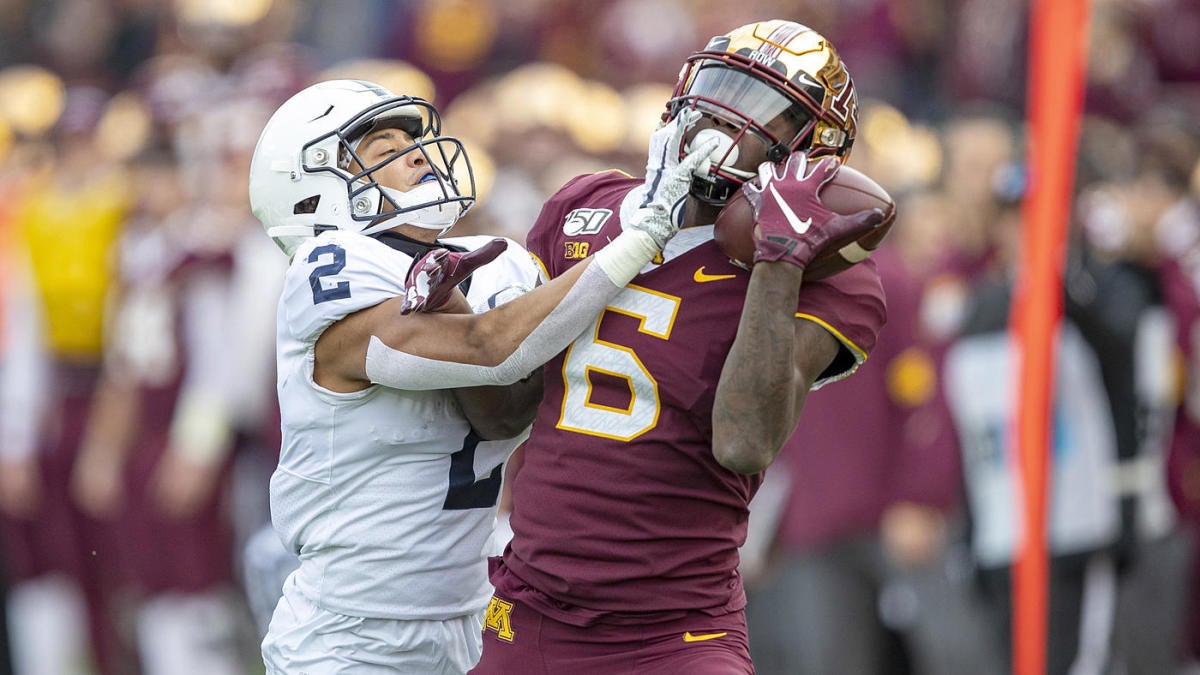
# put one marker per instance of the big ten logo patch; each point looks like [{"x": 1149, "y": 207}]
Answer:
[
  {"x": 576, "y": 249},
  {"x": 585, "y": 221},
  {"x": 499, "y": 618}
]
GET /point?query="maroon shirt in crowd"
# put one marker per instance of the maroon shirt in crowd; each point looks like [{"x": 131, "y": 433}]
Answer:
[{"x": 882, "y": 436}]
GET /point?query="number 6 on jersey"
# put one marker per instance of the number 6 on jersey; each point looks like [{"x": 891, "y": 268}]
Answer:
[{"x": 590, "y": 355}]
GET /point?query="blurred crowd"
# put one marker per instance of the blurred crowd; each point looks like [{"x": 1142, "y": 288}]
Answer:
[{"x": 138, "y": 424}]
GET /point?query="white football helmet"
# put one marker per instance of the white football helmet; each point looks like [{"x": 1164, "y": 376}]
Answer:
[{"x": 304, "y": 176}]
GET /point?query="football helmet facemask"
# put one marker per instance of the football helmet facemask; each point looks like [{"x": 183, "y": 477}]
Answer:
[
  {"x": 306, "y": 176},
  {"x": 777, "y": 81}
]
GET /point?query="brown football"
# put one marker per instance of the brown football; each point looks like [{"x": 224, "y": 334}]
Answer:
[{"x": 850, "y": 191}]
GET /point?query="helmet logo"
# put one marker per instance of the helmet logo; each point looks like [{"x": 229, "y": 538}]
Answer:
[
  {"x": 844, "y": 104},
  {"x": 719, "y": 43}
]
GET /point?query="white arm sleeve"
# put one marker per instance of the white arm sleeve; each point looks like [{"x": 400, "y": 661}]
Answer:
[
  {"x": 615, "y": 265},
  {"x": 202, "y": 424}
]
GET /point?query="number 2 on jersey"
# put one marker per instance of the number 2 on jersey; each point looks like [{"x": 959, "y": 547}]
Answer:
[
  {"x": 464, "y": 491},
  {"x": 338, "y": 291},
  {"x": 589, "y": 354}
]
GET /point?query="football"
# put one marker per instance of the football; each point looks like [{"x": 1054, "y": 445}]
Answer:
[{"x": 850, "y": 191}]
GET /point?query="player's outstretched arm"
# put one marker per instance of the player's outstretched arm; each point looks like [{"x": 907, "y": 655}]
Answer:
[{"x": 441, "y": 350}]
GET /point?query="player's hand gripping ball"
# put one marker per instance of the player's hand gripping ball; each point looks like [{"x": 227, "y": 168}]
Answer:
[{"x": 846, "y": 192}]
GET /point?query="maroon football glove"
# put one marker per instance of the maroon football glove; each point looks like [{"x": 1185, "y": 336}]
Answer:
[
  {"x": 435, "y": 275},
  {"x": 792, "y": 224}
]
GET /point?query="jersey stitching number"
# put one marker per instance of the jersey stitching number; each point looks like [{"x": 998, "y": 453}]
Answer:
[
  {"x": 465, "y": 492},
  {"x": 340, "y": 290},
  {"x": 589, "y": 354}
]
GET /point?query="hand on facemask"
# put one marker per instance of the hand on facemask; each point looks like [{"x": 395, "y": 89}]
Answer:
[{"x": 668, "y": 178}]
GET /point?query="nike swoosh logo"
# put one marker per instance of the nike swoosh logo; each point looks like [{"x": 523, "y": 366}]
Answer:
[
  {"x": 688, "y": 637},
  {"x": 800, "y": 226},
  {"x": 700, "y": 276}
]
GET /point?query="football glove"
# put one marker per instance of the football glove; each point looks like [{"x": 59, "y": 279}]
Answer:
[
  {"x": 666, "y": 142},
  {"x": 668, "y": 179},
  {"x": 434, "y": 276},
  {"x": 793, "y": 225}
]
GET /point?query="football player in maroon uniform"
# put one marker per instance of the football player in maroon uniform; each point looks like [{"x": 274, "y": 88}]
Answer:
[{"x": 659, "y": 420}]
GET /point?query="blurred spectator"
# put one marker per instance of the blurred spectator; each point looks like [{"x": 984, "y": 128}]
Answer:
[
  {"x": 21, "y": 359},
  {"x": 978, "y": 145},
  {"x": 59, "y": 560},
  {"x": 1169, "y": 204},
  {"x": 157, "y": 455},
  {"x": 1104, "y": 432},
  {"x": 985, "y": 58},
  {"x": 862, "y": 577}
]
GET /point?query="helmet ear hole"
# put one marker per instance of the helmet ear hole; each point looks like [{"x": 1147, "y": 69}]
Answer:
[{"x": 307, "y": 205}]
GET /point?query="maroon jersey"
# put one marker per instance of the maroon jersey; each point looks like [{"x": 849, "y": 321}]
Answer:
[
  {"x": 162, "y": 553},
  {"x": 621, "y": 512}
]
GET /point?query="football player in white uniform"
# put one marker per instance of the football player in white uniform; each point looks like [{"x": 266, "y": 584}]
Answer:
[{"x": 396, "y": 422}]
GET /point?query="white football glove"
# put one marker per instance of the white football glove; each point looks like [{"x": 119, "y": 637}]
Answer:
[
  {"x": 666, "y": 142},
  {"x": 668, "y": 178}
]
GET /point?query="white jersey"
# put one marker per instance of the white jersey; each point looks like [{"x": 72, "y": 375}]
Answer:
[
  {"x": 387, "y": 496},
  {"x": 1082, "y": 514}
]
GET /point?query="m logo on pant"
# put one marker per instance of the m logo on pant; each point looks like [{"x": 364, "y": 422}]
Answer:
[{"x": 499, "y": 619}]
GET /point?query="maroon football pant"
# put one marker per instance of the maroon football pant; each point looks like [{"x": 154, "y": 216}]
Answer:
[
  {"x": 191, "y": 554},
  {"x": 59, "y": 537},
  {"x": 517, "y": 639}
]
